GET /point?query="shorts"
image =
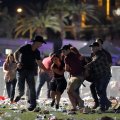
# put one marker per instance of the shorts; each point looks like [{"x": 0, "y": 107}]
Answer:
[
  {"x": 75, "y": 82},
  {"x": 58, "y": 84}
]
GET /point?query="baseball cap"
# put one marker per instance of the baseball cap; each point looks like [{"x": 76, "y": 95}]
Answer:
[
  {"x": 95, "y": 44},
  {"x": 99, "y": 39},
  {"x": 65, "y": 47}
]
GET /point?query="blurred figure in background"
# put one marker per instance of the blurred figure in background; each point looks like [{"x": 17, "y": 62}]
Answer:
[{"x": 9, "y": 68}]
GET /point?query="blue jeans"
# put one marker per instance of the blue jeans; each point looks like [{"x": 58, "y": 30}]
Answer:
[
  {"x": 43, "y": 77},
  {"x": 28, "y": 76},
  {"x": 101, "y": 86},
  {"x": 10, "y": 87}
]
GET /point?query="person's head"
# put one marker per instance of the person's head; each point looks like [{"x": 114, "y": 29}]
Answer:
[
  {"x": 106, "y": 118},
  {"x": 100, "y": 41},
  {"x": 66, "y": 49},
  {"x": 50, "y": 54},
  {"x": 10, "y": 58},
  {"x": 38, "y": 41},
  {"x": 94, "y": 47},
  {"x": 55, "y": 58}
]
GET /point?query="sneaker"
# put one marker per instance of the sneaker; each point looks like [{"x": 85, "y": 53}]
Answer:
[
  {"x": 52, "y": 103},
  {"x": 12, "y": 102},
  {"x": 37, "y": 109},
  {"x": 17, "y": 98},
  {"x": 95, "y": 106},
  {"x": 86, "y": 110},
  {"x": 57, "y": 106},
  {"x": 31, "y": 108},
  {"x": 100, "y": 111}
]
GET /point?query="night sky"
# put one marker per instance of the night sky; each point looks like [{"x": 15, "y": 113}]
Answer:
[{"x": 13, "y": 4}]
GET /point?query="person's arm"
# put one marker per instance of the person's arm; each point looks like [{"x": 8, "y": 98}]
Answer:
[
  {"x": 55, "y": 70},
  {"x": 67, "y": 67},
  {"x": 41, "y": 65},
  {"x": 5, "y": 67},
  {"x": 16, "y": 57}
]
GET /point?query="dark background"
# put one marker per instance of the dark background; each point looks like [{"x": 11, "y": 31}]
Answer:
[{"x": 12, "y": 5}]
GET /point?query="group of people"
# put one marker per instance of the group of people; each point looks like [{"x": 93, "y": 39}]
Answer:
[{"x": 21, "y": 66}]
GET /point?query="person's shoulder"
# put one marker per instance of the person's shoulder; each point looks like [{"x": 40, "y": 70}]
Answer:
[
  {"x": 37, "y": 51},
  {"x": 46, "y": 59},
  {"x": 105, "y": 51},
  {"x": 25, "y": 46}
]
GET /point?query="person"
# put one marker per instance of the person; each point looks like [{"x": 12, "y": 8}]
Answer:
[
  {"x": 58, "y": 83},
  {"x": 92, "y": 86},
  {"x": 106, "y": 118},
  {"x": 101, "y": 74},
  {"x": 83, "y": 62},
  {"x": 45, "y": 76},
  {"x": 74, "y": 67},
  {"x": 109, "y": 57},
  {"x": 9, "y": 68},
  {"x": 25, "y": 57}
]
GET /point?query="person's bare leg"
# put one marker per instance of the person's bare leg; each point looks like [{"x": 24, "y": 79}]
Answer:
[
  {"x": 71, "y": 95},
  {"x": 58, "y": 96},
  {"x": 53, "y": 94}
]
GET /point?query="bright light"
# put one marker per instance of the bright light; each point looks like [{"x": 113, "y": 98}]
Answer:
[
  {"x": 116, "y": 12},
  {"x": 100, "y": 2},
  {"x": 108, "y": 7},
  {"x": 19, "y": 10},
  {"x": 8, "y": 51}
]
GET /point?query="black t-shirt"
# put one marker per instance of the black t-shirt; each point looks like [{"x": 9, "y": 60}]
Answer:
[{"x": 28, "y": 57}]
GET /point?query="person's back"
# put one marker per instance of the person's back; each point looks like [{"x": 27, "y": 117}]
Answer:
[{"x": 47, "y": 62}]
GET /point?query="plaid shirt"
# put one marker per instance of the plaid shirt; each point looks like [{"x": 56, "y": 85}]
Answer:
[{"x": 100, "y": 65}]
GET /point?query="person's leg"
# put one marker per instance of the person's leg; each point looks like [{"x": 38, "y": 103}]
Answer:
[
  {"x": 101, "y": 87},
  {"x": 53, "y": 95},
  {"x": 61, "y": 86},
  {"x": 13, "y": 84},
  {"x": 94, "y": 95},
  {"x": 58, "y": 96},
  {"x": 48, "y": 85},
  {"x": 79, "y": 101},
  {"x": 70, "y": 90},
  {"x": 32, "y": 93},
  {"x": 41, "y": 83},
  {"x": 21, "y": 76},
  {"x": 53, "y": 87},
  {"x": 8, "y": 85},
  {"x": 28, "y": 92}
]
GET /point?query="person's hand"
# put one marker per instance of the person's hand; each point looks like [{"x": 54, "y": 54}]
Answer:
[{"x": 19, "y": 65}]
